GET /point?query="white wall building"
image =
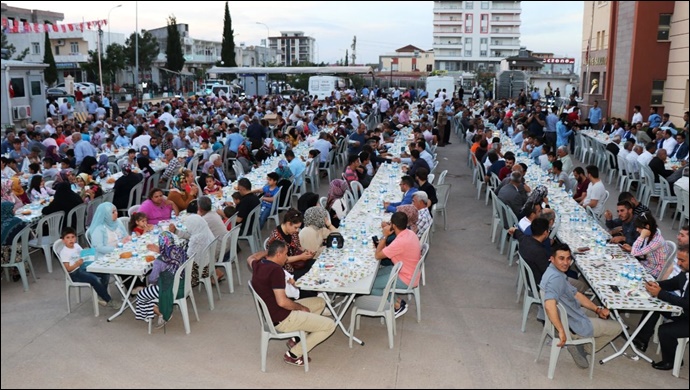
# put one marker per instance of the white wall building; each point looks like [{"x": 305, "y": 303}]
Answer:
[
  {"x": 293, "y": 47},
  {"x": 469, "y": 35}
]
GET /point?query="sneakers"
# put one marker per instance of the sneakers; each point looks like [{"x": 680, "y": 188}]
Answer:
[
  {"x": 579, "y": 355},
  {"x": 113, "y": 303},
  {"x": 102, "y": 302},
  {"x": 161, "y": 322},
  {"x": 401, "y": 310},
  {"x": 292, "y": 341},
  {"x": 298, "y": 361}
]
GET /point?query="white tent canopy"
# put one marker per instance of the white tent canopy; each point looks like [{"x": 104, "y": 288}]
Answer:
[{"x": 327, "y": 70}]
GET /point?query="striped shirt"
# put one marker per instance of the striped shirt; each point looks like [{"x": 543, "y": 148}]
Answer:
[{"x": 424, "y": 221}]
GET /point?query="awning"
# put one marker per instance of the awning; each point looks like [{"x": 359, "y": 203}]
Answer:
[
  {"x": 67, "y": 65},
  {"x": 183, "y": 73}
]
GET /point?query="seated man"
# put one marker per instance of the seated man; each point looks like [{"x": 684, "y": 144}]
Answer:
[
  {"x": 408, "y": 189},
  {"x": 514, "y": 194},
  {"x": 556, "y": 289},
  {"x": 671, "y": 331},
  {"x": 268, "y": 280},
  {"x": 622, "y": 229}
]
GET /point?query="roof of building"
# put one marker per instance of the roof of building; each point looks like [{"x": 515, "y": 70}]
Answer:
[{"x": 409, "y": 49}]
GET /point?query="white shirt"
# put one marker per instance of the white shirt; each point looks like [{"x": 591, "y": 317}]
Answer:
[
  {"x": 142, "y": 140},
  {"x": 70, "y": 256},
  {"x": 167, "y": 118},
  {"x": 637, "y": 117},
  {"x": 645, "y": 158},
  {"x": 669, "y": 144},
  {"x": 596, "y": 191},
  {"x": 324, "y": 147},
  {"x": 631, "y": 159},
  {"x": 623, "y": 153}
]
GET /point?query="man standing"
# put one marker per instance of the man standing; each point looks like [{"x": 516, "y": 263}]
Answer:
[
  {"x": 671, "y": 331},
  {"x": 556, "y": 289},
  {"x": 654, "y": 119},
  {"x": 268, "y": 280},
  {"x": 594, "y": 116},
  {"x": 550, "y": 130},
  {"x": 637, "y": 115}
]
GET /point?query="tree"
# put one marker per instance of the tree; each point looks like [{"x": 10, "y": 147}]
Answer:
[
  {"x": 11, "y": 49},
  {"x": 173, "y": 51},
  {"x": 50, "y": 73},
  {"x": 115, "y": 60},
  {"x": 148, "y": 50},
  {"x": 347, "y": 61},
  {"x": 227, "y": 51}
]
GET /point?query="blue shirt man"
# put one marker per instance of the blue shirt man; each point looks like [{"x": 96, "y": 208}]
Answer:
[
  {"x": 234, "y": 140},
  {"x": 296, "y": 165},
  {"x": 82, "y": 149},
  {"x": 594, "y": 115},
  {"x": 654, "y": 120}
]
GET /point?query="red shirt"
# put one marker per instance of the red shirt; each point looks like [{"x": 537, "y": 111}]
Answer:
[
  {"x": 266, "y": 277},
  {"x": 581, "y": 188}
]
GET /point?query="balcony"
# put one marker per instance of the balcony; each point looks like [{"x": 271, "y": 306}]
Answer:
[
  {"x": 507, "y": 5},
  {"x": 72, "y": 57},
  {"x": 447, "y": 45},
  {"x": 507, "y": 32},
  {"x": 507, "y": 45},
  {"x": 505, "y": 21},
  {"x": 447, "y": 22},
  {"x": 449, "y": 8},
  {"x": 451, "y": 34}
]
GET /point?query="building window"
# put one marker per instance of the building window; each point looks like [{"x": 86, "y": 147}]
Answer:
[
  {"x": 468, "y": 23},
  {"x": 57, "y": 50},
  {"x": 664, "y": 27},
  {"x": 36, "y": 88},
  {"x": 468, "y": 53},
  {"x": 469, "y": 4},
  {"x": 484, "y": 23},
  {"x": 482, "y": 53},
  {"x": 468, "y": 41},
  {"x": 17, "y": 84},
  {"x": 657, "y": 92},
  {"x": 35, "y": 48},
  {"x": 74, "y": 47},
  {"x": 485, "y": 5}
]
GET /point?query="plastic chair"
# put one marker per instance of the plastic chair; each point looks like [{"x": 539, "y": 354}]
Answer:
[
  {"x": 442, "y": 193},
  {"x": 134, "y": 196},
  {"x": 133, "y": 209},
  {"x": 125, "y": 222},
  {"x": 45, "y": 242},
  {"x": 612, "y": 165},
  {"x": 268, "y": 331},
  {"x": 671, "y": 248},
  {"x": 531, "y": 295},
  {"x": 228, "y": 244},
  {"x": 108, "y": 196},
  {"x": 680, "y": 351},
  {"x": 207, "y": 258},
  {"x": 349, "y": 201},
  {"x": 273, "y": 215},
  {"x": 496, "y": 205},
  {"x": 22, "y": 238},
  {"x": 550, "y": 330},
  {"x": 287, "y": 199},
  {"x": 311, "y": 173},
  {"x": 253, "y": 236},
  {"x": 683, "y": 208},
  {"x": 414, "y": 290},
  {"x": 494, "y": 182},
  {"x": 327, "y": 166},
  {"x": 113, "y": 168},
  {"x": 69, "y": 283},
  {"x": 430, "y": 178},
  {"x": 323, "y": 201},
  {"x": 181, "y": 301},
  {"x": 666, "y": 198},
  {"x": 79, "y": 214},
  {"x": 357, "y": 190},
  {"x": 375, "y": 306}
]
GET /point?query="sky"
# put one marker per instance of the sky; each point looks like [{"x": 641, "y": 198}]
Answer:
[{"x": 380, "y": 26}]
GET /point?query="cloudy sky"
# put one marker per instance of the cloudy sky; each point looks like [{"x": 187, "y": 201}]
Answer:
[{"x": 380, "y": 26}]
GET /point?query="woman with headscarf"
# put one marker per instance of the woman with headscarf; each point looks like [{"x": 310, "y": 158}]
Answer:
[
  {"x": 206, "y": 170},
  {"x": 317, "y": 226},
  {"x": 178, "y": 193},
  {"x": 64, "y": 200},
  {"x": 306, "y": 201},
  {"x": 336, "y": 203},
  {"x": 199, "y": 236},
  {"x": 123, "y": 186},
  {"x": 412, "y": 217},
  {"x": 144, "y": 152},
  {"x": 245, "y": 158},
  {"x": 106, "y": 231},
  {"x": 538, "y": 196},
  {"x": 88, "y": 165},
  {"x": 283, "y": 170},
  {"x": 9, "y": 196},
  {"x": 172, "y": 257},
  {"x": 11, "y": 226},
  {"x": 266, "y": 150},
  {"x": 52, "y": 152},
  {"x": 102, "y": 168},
  {"x": 88, "y": 189}
]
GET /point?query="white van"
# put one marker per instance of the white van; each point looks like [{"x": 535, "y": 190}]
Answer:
[
  {"x": 323, "y": 86},
  {"x": 434, "y": 83}
]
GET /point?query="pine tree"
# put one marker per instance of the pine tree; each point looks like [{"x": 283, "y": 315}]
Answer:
[
  {"x": 50, "y": 73},
  {"x": 227, "y": 51},
  {"x": 173, "y": 51},
  {"x": 346, "y": 61}
]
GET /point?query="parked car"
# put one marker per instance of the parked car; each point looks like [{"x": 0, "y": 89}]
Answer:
[
  {"x": 54, "y": 92},
  {"x": 94, "y": 88},
  {"x": 86, "y": 90}
]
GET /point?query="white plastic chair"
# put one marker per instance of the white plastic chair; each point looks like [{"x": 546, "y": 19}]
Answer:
[
  {"x": 69, "y": 283},
  {"x": 531, "y": 296},
  {"x": 683, "y": 209},
  {"x": 349, "y": 201},
  {"x": 550, "y": 330},
  {"x": 414, "y": 290},
  {"x": 133, "y": 210},
  {"x": 45, "y": 242},
  {"x": 253, "y": 235},
  {"x": 78, "y": 214},
  {"x": 666, "y": 198},
  {"x": 357, "y": 189},
  {"x": 328, "y": 165},
  {"x": 431, "y": 178},
  {"x": 268, "y": 331},
  {"x": 323, "y": 201},
  {"x": 442, "y": 193},
  {"x": 311, "y": 173},
  {"x": 273, "y": 215},
  {"x": 22, "y": 238},
  {"x": 228, "y": 244},
  {"x": 181, "y": 302},
  {"x": 375, "y": 306},
  {"x": 207, "y": 258},
  {"x": 134, "y": 196},
  {"x": 125, "y": 222}
]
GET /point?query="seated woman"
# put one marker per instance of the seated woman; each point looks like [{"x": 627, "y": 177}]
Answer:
[
  {"x": 88, "y": 189},
  {"x": 88, "y": 165},
  {"x": 11, "y": 226},
  {"x": 266, "y": 150},
  {"x": 245, "y": 158},
  {"x": 317, "y": 227},
  {"x": 9, "y": 196},
  {"x": 139, "y": 224},
  {"x": 178, "y": 194},
  {"x": 123, "y": 187},
  {"x": 64, "y": 200},
  {"x": 283, "y": 170},
  {"x": 306, "y": 201},
  {"x": 38, "y": 189},
  {"x": 412, "y": 216},
  {"x": 268, "y": 192},
  {"x": 157, "y": 208},
  {"x": 145, "y": 153},
  {"x": 650, "y": 246},
  {"x": 172, "y": 256},
  {"x": 336, "y": 203},
  {"x": 106, "y": 231},
  {"x": 299, "y": 260}
]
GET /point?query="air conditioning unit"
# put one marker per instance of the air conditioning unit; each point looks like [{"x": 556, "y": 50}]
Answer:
[
  {"x": 61, "y": 42},
  {"x": 21, "y": 112}
]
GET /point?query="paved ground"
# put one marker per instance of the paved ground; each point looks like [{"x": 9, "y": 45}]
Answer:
[{"x": 469, "y": 335}]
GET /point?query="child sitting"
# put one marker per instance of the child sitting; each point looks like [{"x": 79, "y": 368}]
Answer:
[
  {"x": 213, "y": 186},
  {"x": 38, "y": 189},
  {"x": 70, "y": 256},
  {"x": 139, "y": 224}
]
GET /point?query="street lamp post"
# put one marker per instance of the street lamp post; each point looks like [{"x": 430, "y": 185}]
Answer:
[
  {"x": 268, "y": 34},
  {"x": 111, "y": 10},
  {"x": 136, "y": 49}
]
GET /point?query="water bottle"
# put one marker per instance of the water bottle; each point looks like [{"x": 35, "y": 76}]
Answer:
[
  {"x": 570, "y": 193},
  {"x": 334, "y": 243},
  {"x": 134, "y": 237},
  {"x": 172, "y": 215}
]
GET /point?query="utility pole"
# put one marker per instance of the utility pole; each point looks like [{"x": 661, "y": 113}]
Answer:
[{"x": 354, "y": 49}]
